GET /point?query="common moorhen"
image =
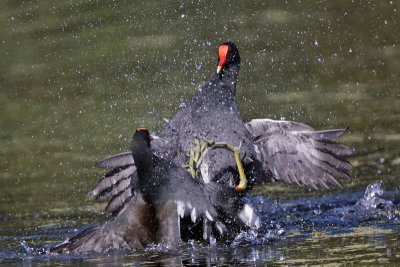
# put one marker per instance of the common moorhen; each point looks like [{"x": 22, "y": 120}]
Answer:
[
  {"x": 273, "y": 150},
  {"x": 161, "y": 195}
]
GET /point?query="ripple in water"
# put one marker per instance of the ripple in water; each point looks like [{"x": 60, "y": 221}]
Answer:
[{"x": 283, "y": 222}]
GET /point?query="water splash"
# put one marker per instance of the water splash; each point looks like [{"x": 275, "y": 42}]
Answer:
[
  {"x": 33, "y": 250},
  {"x": 372, "y": 200},
  {"x": 28, "y": 249},
  {"x": 370, "y": 207},
  {"x": 283, "y": 222},
  {"x": 247, "y": 237}
]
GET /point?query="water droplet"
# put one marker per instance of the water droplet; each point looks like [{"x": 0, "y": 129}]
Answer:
[{"x": 320, "y": 60}]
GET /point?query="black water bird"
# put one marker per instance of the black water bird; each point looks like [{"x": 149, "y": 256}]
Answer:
[
  {"x": 272, "y": 150},
  {"x": 162, "y": 194}
]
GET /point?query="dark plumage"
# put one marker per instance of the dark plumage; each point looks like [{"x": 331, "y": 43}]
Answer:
[
  {"x": 272, "y": 150},
  {"x": 161, "y": 194}
]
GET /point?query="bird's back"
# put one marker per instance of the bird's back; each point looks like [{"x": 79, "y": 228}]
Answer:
[{"x": 212, "y": 115}]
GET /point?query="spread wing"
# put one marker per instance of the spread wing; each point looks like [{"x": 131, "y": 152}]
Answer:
[
  {"x": 134, "y": 228},
  {"x": 295, "y": 153},
  {"x": 117, "y": 160},
  {"x": 116, "y": 186}
]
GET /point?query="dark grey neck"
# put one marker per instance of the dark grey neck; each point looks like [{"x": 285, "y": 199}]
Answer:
[
  {"x": 221, "y": 86},
  {"x": 230, "y": 74},
  {"x": 144, "y": 163}
]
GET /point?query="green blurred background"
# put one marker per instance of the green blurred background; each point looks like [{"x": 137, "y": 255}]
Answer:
[{"x": 77, "y": 77}]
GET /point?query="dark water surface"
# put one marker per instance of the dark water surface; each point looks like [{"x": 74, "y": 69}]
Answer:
[{"x": 77, "y": 77}]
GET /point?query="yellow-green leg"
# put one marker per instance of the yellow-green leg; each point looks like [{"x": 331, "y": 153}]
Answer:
[{"x": 196, "y": 157}]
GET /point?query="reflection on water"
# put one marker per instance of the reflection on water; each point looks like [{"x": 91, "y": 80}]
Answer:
[
  {"x": 346, "y": 228},
  {"x": 76, "y": 77}
]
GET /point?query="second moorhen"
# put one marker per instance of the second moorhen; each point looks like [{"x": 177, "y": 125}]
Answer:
[{"x": 162, "y": 194}]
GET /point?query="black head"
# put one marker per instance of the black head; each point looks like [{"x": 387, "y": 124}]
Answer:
[
  {"x": 228, "y": 56},
  {"x": 141, "y": 137},
  {"x": 141, "y": 150}
]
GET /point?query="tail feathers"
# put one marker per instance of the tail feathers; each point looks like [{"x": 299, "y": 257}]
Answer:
[
  {"x": 200, "y": 209},
  {"x": 225, "y": 199},
  {"x": 234, "y": 214}
]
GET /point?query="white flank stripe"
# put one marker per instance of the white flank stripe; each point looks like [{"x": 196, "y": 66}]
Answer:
[
  {"x": 209, "y": 217},
  {"x": 193, "y": 215},
  {"x": 180, "y": 208}
]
